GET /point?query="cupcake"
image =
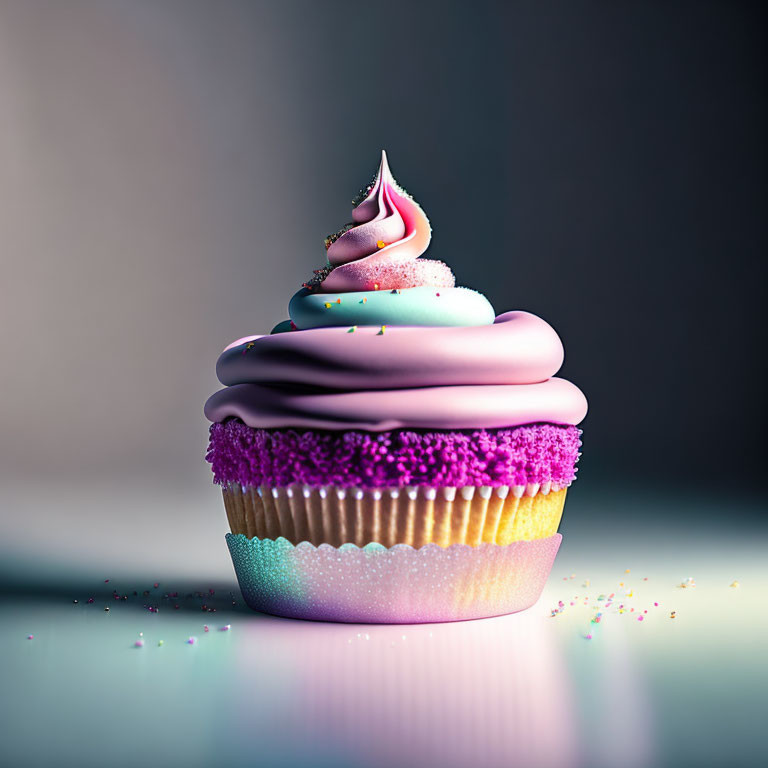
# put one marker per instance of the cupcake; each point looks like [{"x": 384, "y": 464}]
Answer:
[{"x": 395, "y": 452}]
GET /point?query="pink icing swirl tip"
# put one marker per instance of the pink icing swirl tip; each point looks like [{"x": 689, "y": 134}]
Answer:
[{"x": 391, "y": 232}]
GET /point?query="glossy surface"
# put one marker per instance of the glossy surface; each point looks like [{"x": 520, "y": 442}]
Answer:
[{"x": 527, "y": 689}]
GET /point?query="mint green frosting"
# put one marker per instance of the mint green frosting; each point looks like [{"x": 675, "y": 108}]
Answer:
[{"x": 423, "y": 305}]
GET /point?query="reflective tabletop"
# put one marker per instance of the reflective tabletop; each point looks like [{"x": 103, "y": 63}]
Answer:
[{"x": 647, "y": 648}]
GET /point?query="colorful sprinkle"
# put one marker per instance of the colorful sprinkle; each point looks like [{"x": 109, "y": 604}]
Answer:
[
  {"x": 30, "y": 637},
  {"x": 380, "y": 244},
  {"x": 381, "y": 332},
  {"x": 352, "y": 329},
  {"x": 364, "y": 300},
  {"x": 375, "y": 286},
  {"x": 225, "y": 628},
  {"x": 734, "y": 584},
  {"x": 327, "y": 304},
  {"x": 138, "y": 644},
  {"x": 160, "y": 642},
  {"x": 191, "y": 641},
  {"x": 206, "y": 627},
  {"x": 672, "y": 614}
]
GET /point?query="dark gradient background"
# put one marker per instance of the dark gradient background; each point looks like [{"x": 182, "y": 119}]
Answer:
[
  {"x": 168, "y": 171},
  {"x": 171, "y": 168}
]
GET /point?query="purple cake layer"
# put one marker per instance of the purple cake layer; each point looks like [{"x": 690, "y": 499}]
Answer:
[{"x": 534, "y": 453}]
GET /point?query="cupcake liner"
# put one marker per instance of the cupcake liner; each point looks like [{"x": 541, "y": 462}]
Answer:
[
  {"x": 412, "y": 515},
  {"x": 390, "y": 585}
]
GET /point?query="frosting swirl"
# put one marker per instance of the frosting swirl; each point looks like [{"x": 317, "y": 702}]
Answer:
[
  {"x": 380, "y": 250},
  {"x": 385, "y": 341}
]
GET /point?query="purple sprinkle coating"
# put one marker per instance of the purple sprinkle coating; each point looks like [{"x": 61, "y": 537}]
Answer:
[{"x": 534, "y": 453}]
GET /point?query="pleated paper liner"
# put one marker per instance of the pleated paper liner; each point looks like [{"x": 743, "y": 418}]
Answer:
[
  {"x": 400, "y": 584},
  {"x": 416, "y": 516}
]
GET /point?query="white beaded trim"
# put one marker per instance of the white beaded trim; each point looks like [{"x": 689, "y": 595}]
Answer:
[{"x": 467, "y": 492}]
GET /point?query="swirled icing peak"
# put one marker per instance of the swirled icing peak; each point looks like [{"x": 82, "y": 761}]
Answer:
[{"x": 380, "y": 249}]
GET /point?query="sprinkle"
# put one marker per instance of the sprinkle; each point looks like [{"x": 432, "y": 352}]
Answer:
[
  {"x": 191, "y": 641},
  {"x": 381, "y": 332},
  {"x": 138, "y": 644},
  {"x": 626, "y": 570},
  {"x": 352, "y": 329},
  {"x": 588, "y": 637},
  {"x": 672, "y": 614},
  {"x": 375, "y": 286},
  {"x": 437, "y": 294},
  {"x": 160, "y": 642},
  {"x": 106, "y": 610},
  {"x": 380, "y": 244},
  {"x": 106, "y": 581},
  {"x": 206, "y": 627},
  {"x": 74, "y": 602},
  {"x": 225, "y": 628},
  {"x": 364, "y": 300},
  {"x": 156, "y": 584},
  {"x": 294, "y": 327},
  {"x": 30, "y": 637},
  {"x": 734, "y": 584},
  {"x": 656, "y": 605},
  {"x": 327, "y": 304},
  {"x": 640, "y": 618},
  {"x": 689, "y": 582}
]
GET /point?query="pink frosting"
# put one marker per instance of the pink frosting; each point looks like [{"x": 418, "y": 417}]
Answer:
[
  {"x": 396, "y": 377},
  {"x": 519, "y": 348},
  {"x": 456, "y": 407},
  {"x": 387, "y": 215}
]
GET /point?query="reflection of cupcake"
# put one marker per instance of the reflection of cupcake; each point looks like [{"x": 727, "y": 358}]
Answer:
[{"x": 393, "y": 409}]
